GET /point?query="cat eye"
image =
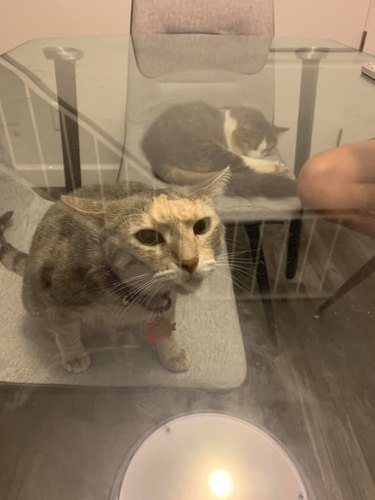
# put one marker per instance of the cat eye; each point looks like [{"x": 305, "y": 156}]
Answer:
[
  {"x": 149, "y": 237},
  {"x": 202, "y": 226}
]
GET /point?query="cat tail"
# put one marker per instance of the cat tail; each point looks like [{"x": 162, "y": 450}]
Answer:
[
  {"x": 10, "y": 257},
  {"x": 270, "y": 185}
]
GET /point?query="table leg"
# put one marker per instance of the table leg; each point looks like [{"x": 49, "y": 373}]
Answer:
[
  {"x": 310, "y": 58},
  {"x": 65, "y": 60}
]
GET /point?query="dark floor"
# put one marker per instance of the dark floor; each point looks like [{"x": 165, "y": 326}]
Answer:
[{"x": 315, "y": 392}]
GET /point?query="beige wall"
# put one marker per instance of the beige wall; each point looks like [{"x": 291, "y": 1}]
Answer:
[
  {"x": 22, "y": 20},
  {"x": 339, "y": 20}
]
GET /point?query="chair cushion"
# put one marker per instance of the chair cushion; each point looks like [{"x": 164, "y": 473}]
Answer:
[{"x": 207, "y": 325}]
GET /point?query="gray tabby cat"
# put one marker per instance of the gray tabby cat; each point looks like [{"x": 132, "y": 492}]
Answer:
[
  {"x": 119, "y": 254},
  {"x": 189, "y": 141}
]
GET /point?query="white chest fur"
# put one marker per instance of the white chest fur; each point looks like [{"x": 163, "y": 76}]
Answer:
[
  {"x": 252, "y": 159},
  {"x": 230, "y": 125}
]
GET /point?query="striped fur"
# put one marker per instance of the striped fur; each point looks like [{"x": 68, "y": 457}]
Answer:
[{"x": 10, "y": 257}]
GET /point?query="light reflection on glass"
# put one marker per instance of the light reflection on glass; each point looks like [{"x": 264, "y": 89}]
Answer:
[{"x": 221, "y": 483}]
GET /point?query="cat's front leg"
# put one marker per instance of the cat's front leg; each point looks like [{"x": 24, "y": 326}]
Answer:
[
  {"x": 74, "y": 356},
  {"x": 263, "y": 166},
  {"x": 171, "y": 356}
]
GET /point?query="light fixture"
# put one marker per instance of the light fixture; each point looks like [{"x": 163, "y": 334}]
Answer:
[
  {"x": 209, "y": 456},
  {"x": 221, "y": 483}
]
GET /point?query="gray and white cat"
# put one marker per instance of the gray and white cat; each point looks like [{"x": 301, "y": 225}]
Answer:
[
  {"x": 189, "y": 141},
  {"x": 119, "y": 254}
]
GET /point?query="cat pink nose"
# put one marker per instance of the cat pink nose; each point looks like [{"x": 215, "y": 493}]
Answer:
[{"x": 189, "y": 264}]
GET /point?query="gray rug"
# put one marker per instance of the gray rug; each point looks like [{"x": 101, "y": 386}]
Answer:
[{"x": 207, "y": 324}]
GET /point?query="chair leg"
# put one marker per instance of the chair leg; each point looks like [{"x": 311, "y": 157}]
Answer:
[
  {"x": 354, "y": 280},
  {"x": 292, "y": 255},
  {"x": 252, "y": 231}
]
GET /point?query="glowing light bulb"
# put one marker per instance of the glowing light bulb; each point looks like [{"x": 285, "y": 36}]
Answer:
[{"x": 221, "y": 483}]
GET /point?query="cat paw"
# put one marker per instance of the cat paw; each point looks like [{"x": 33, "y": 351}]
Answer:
[
  {"x": 282, "y": 169},
  {"x": 179, "y": 362},
  {"x": 77, "y": 364}
]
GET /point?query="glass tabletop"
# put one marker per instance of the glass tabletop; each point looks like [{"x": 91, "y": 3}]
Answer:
[{"x": 263, "y": 336}]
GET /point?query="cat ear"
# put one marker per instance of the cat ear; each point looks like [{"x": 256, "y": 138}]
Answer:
[
  {"x": 280, "y": 130},
  {"x": 91, "y": 208},
  {"x": 214, "y": 186}
]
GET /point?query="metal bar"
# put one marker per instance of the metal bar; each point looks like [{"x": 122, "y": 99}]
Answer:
[
  {"x": 231, "y": 257},
  {"x": 257, "y": 254},
  {"x": 295, "y": 230},
  {"x": 281, "y": 258},
  {"x": 97, "y": 156},
  {"x": 261, "y": 272},
  {"x": 362, "y": 273},
  {"x": 329, "y": 256},
  {"x": 305, "y": 257},
  {"x": 37, "y": 136}
]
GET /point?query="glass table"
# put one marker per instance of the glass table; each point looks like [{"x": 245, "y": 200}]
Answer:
[
  {"x": 282, "y": 77},
  {"x": 73, "y": 111}
]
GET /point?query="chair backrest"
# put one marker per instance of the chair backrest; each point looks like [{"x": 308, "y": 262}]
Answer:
[
  {"x": 240, "y": 17},
  {"x": 160, "y": 55}
]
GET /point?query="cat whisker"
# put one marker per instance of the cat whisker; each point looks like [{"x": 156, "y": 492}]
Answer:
[
  {"x": 142, "y": 290},
  {"x": 104, "y": 274},
  {"x": 241, "y": 287},
  {"x": 113, "y": 291},
  {"x": 116, "y": 288},
  {"x": 139, "y": 290},
  {"x": 245, "y": 249},
  {"x": 239, "y": 284},
  {"x": 238, "y": 266},
  {"x": 244, "y": 273},
  {"x": 131, "y": 301},
  {"x": 132, "y": 283},
  {"x": 234, "y": 254},
  {"x": 237, "y": 248},
  {"x": 248, "y": 262},
  {"x": 239, "y": 256}
]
